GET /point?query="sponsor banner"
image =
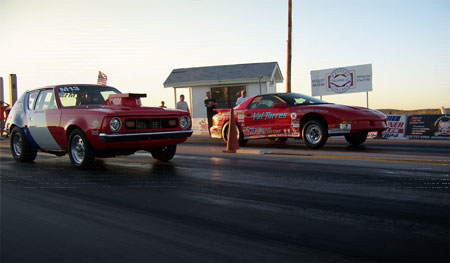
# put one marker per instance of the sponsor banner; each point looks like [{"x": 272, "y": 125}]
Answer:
[
  {"x": 341, "y": 80},
  {"x": 396, "y": 127},
  {"x": 200, "y": 125},
  {"x": 428, "y": 127}
]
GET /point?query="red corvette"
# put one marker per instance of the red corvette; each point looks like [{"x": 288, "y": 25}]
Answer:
[
  {"x": 91, "y": 120},
  {"x": 289, "y": 115}
]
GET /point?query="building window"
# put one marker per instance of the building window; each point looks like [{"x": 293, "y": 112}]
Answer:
[{"x": 226, "y": 96}]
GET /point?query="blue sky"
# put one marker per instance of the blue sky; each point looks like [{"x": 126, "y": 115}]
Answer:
[{"x": 138, "y": 43}]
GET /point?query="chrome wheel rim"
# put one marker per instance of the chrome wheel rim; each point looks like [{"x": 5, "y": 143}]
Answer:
[
  {"x": 77, "y": 149},
  {"x": 313, "y": 134},
  {"x": 17, "y": 144}
]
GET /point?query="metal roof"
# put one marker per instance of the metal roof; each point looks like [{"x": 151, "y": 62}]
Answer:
[{"x": 225, "y": 74}]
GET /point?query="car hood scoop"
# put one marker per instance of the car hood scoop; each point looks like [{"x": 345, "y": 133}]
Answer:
[{"x": 132, "y": 100}]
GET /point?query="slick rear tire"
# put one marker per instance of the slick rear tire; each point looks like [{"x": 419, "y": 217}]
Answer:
[
  {"x": 81, "y": 152},
  {"x": 164, "y": 153},
  {"x": 20, "y": 148},
  {"x": 314, "y": 134},
  {"x": 356, "y": 139}
]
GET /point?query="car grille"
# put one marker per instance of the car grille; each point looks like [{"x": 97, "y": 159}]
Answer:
[{"x": 149, "y": 124}]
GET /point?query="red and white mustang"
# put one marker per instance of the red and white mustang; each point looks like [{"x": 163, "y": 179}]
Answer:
[
  {"x": 91, "y": 120},
  {"x": 290, "y": 115}
]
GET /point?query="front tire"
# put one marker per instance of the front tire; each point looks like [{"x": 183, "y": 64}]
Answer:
[
  {"x": 314, "y": 134},
  {"x": 164, "y": 153},
  {"x": 241, "y": 141},
  {"x": 20, "y": 148},
  {"x": 356, "y": 139},
  {"x": 80, "y": 150}
]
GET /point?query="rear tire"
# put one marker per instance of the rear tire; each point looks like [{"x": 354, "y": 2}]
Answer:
[
  {"x": 80, "y": 150},
  {"x": 356, "y": 139},
  {"x": 164, "y": 153},
  {"x": 20, "y": 148},
  {"x": 314, "y": 134},
  {"x": 241, "y": 141}
]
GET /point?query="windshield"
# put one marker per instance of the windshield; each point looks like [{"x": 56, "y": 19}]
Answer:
[
  {"x": 300, "y": 99},
  {"x": 84, "y": 95}
]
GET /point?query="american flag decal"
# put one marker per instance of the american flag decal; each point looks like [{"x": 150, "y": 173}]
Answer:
[{"x": 102, "y": 78}]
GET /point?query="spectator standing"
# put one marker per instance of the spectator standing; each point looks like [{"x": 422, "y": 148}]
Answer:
[
  {"x": 210, "y": 105},
  {"x": 162, "y": 104},
  {"x": 242, "y": 98},
  {"x": 182, "y": 105}
]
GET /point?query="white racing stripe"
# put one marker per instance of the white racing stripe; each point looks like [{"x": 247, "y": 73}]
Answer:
[{"x": 37, "y": 124}]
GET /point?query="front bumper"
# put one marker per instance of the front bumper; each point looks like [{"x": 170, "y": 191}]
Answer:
[
  {"x": 131, "y": 137},
  {"x": 357, "y": 126}
]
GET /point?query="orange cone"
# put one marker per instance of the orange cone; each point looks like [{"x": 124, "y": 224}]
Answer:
[{"x": 232, "y": 142}]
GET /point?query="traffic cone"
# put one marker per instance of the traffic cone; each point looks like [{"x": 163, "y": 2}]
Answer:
[{"x": 232, "y": 142}]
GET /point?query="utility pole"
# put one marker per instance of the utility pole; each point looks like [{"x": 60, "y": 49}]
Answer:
[
  {"x": 289, "y": 45},
  {"x": 12, "y": 89}
]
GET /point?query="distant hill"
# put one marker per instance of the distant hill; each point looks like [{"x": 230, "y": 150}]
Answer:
[{"x": 413, "y": 112}]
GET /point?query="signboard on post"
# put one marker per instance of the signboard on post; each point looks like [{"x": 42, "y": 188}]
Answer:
[{"x": 341, "y": 80}]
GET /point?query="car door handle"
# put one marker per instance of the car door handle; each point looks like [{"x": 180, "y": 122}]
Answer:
[{"x": 248, "y": 114}]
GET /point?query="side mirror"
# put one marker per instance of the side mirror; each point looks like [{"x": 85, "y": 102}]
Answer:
[{"x": 279, "y": 105}]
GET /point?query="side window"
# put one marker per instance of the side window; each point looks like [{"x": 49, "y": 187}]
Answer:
[
  {"x": 32, "y": 99},
  {"x": 254, "y": 103},
  {"x": 46, "y": 100},
  {"x": 301, "y": 101},
  {"x": 265, "y": 102}
]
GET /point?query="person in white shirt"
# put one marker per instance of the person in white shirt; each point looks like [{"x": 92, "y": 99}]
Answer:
[
  {"x": 182, "y": 105},
  {"x": 242, "y": 98}
]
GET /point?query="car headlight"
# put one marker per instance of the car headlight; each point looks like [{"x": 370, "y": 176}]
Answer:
[
  {"x": 115, "y": 124},
  {"x": 185, "y": 122}
]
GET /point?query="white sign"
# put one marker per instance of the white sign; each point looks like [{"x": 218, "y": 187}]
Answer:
[
  {"x": 341, "y": 80},
  {"x": 396, "y": 128}
]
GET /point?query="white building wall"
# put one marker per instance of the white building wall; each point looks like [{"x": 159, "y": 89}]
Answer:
[
  {"x": 198, "y": 109},
  {"x": 271, "y": 88},
  {"x": 198, "y": 97},
  {"x": 253, "y": 89},
  {"x": 199, "y": 120}
]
